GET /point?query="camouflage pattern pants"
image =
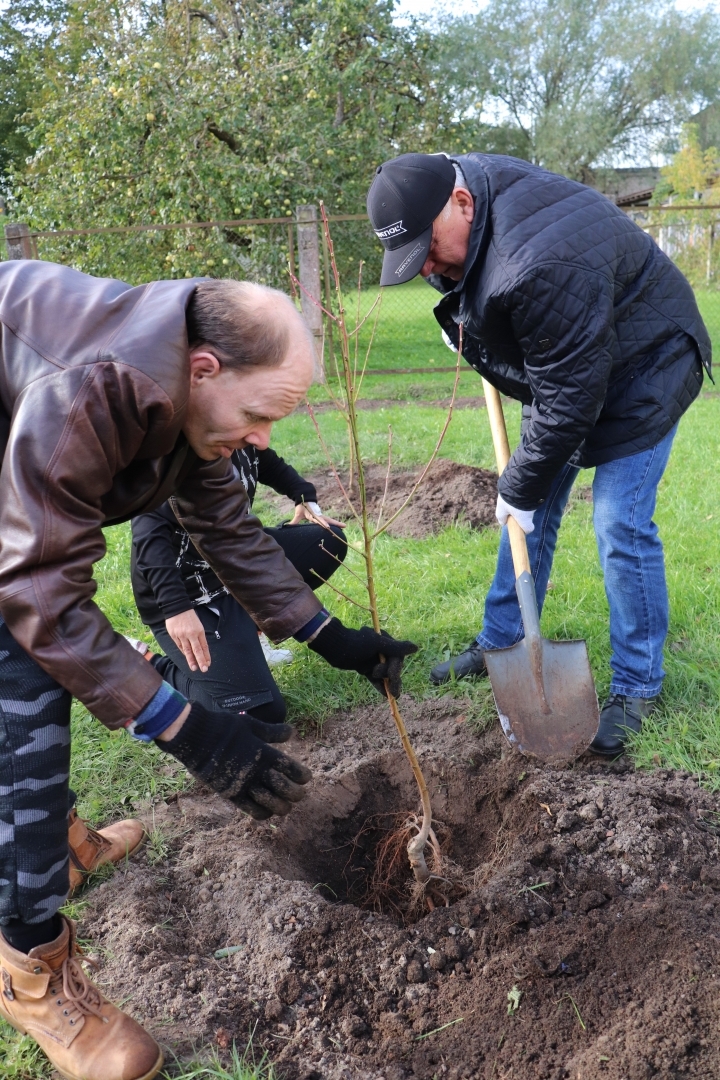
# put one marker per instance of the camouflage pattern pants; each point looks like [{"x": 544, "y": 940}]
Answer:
[{"x": 34, "y": 773}]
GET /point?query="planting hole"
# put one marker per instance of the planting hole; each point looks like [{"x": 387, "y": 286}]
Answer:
[{"x": 360, "y": 856}]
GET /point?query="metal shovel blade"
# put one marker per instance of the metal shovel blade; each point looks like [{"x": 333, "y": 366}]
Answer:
[{"x": 544, "y": 690}]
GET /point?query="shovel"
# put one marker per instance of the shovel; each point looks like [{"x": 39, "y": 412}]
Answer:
[{"x": 544, "y": 690}]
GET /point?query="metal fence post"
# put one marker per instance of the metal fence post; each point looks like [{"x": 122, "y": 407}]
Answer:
[
  {"x": 309, "y": 270},
  {"x": 18, "y": 240}
]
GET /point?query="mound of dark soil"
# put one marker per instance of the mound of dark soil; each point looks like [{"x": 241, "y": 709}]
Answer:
[
  {"x": 449, "y": 493},
  {"x": 586, "y": 947}
]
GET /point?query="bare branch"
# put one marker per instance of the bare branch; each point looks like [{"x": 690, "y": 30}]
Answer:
[
  {"x": 363, "y": 607},
  {"x": 438, "y": 444},
  {"x": 354, "y": 332},
  {"x": 343, "y": 565},
  {"x": 339, "y": 119},
  {"x": 312, "y": 299},
  {"x": 370, "y": 342},
  {"x": 331, "y": 463},
  {"x": 224, "y": 136},
  {"x": 416, "y": 846},
  {"x": 387, "y": 480},
  {"x": 205, "y": 16}
]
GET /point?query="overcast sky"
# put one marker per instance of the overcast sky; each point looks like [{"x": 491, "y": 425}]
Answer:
[{"x": 459, "y": 7}]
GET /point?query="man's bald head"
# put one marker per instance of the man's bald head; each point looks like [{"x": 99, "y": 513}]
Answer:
[
  {"x": 245, "y": 325},
  {"x": 252, "y": 359}
]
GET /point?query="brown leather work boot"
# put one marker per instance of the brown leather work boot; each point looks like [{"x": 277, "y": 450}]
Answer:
[
  {"x": 90, "y": 849},
  {"x": 46, "y": 994}
]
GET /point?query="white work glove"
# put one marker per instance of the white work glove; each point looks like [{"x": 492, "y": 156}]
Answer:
[
  {"x": 448, "y": 342},
  {"x": 310, "y": 511},
  {"x": 524, "y": 518}
]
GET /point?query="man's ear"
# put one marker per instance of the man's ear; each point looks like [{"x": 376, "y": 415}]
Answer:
[
  {"x": 466, "y": 202},
  {"x": 203, "y": 365}
]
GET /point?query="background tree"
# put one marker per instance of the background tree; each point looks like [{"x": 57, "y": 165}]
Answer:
[
  {"x": 691, "y": 172},
  {"x": 214, "y": 110},
  {"x": 580, "y": 82},
  {"x": 689, "y": 236}
]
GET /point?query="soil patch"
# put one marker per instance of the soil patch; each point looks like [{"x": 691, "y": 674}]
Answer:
[
  {"x": 586, "y": 946},
  {"x": 372, "y": 404},
  {"x": 449, "y": 493}
]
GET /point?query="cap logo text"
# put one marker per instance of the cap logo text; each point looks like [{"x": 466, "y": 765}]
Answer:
[
  {"x": 392, "y": 230},
  {"x": 406, "y": 262}
]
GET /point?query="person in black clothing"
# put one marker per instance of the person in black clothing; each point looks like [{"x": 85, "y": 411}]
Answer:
[
  {"x": 213, "y": 653},
  {"x": 566, "y": 305}
]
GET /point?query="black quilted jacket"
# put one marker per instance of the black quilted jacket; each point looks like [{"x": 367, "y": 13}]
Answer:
[{"x": 571, "y": 308}]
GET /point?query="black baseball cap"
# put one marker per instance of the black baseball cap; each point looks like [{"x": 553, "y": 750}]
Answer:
[{"x": 404, "y": 199}]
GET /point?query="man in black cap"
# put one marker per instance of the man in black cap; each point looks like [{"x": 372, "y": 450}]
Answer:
[{"x": 569, "y": 307}]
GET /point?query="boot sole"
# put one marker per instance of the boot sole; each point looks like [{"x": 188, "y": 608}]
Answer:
[
  {"x": 72, "y": 1076},
  {"x": 147, "y": 1076},
  {"x": 609, "y": 754},
  {"x": 439, "y": 680}
]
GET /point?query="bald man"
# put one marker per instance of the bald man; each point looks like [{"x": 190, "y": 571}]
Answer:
[{"x": 112, "y": 400}]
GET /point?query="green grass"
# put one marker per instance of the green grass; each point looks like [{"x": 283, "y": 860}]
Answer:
[
  {"x": 240, "y": 1066},
  {"x": 407, "y": 336},
  {"x": 22, "y": 1059}
]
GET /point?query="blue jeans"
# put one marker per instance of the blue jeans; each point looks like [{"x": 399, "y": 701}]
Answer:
[{"x": 631, "y": 557}]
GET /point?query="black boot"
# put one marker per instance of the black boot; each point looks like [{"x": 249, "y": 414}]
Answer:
[
  {"x": 470, "y": 662},
  {"x": 620, "y": 715}
]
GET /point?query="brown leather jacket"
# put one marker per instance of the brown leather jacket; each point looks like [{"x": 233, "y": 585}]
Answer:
[{"x": 94, "y": 383}]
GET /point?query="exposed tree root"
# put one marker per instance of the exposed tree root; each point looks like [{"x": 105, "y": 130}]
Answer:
[{"x": 390, "y": 885}]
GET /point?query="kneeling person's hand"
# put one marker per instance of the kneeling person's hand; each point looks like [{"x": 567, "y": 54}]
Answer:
[
  {"x": 360, "y": 650},
  {"x": 188, "y": 633},
  {"x": 231, "y": 753}
]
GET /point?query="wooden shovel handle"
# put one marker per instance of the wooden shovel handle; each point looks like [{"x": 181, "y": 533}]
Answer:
[{"x": 518, "y": 543}]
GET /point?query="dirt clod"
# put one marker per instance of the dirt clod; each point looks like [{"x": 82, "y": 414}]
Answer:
[
  {"x": 606, "y": 927},
  {"x": 449, "y": 493}
]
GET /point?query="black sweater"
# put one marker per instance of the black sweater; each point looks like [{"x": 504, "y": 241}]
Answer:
[{"x": 168, "y": 573}]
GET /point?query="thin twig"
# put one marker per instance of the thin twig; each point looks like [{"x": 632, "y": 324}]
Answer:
[
  {"x": 345, "y": 596},
  {"x": 438, "y": 444},
  {"x": 358, "y": 322},
  {"x": 342, "y": 563},
  {"x": 416, "y": 845},
  {"x": 387, "y": 480},
  {"x": 331, "y": 462},
  {"x": 361, "y": 323},
  {"x": 321, "y": 521},
  {"x": 312, "y": 300},
  {"x": 370, "y": 345},
  {"x": 337, "y": 402}
]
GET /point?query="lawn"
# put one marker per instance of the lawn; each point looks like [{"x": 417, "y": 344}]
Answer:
[
  {"x": 408, "y": 336},
  {"x": 433, "y": 592},
  {"x": 404, "y": 334}
]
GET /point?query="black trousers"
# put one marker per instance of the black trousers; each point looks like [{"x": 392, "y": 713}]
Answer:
[{"x": 239, "y": 678}]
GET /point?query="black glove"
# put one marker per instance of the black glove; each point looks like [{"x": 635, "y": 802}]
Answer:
[
  {"x": 230, "y": 753},
  {"x": 359, "y": 650}
]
